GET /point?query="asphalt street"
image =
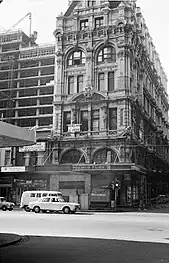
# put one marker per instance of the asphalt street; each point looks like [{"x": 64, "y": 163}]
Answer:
[
  {"x": 135, "y": 226},
  {"x": 70, "y": 250}
]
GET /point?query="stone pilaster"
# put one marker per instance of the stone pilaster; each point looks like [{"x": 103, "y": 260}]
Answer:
[
  {"x": 27, "y": 158},
  {"x": 40, "y": 158}
]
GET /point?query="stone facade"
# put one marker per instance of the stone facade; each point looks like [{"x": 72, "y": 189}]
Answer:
[{"x": 110, "y": 83}]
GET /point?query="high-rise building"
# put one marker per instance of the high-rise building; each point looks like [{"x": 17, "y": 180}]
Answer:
[
  {"x": 110, "y": 106},
  {"x": 26, "y": 100}
]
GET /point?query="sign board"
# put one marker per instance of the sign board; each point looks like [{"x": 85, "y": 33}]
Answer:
[
  {"x": 38, "y": 147},
  {"x": 74, "y": 127},
  {"x": 13, "y": 169}
]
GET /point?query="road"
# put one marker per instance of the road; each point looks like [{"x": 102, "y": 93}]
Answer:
[{"x": 135, "y": 226}]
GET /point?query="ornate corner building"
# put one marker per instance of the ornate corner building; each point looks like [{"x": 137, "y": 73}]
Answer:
[
  {"x": 110, "y": 121},
  {"x": 98, "y": 102}
]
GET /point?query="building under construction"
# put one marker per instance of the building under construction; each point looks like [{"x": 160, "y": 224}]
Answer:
[
  {"x": 26, "y": 100},
  {"x": 104, "y": 142}
]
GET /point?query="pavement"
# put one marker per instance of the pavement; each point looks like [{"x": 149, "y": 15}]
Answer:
[
  {"x": 46, "y": 249},
  {"x": 9, "y": 239}
]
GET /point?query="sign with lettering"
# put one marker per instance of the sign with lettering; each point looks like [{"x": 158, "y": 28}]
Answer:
[
  {"x": 38, "y": 147},
  {"x": 13, "y": 169},
  {"x": 74, "y": 127}
]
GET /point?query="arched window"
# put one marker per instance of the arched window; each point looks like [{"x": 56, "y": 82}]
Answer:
[
  {"x": 105, "y": 156},
  {"x": 106, "y": 54},
  {"x": 73, "y": 156},
  {"x": 76, "y": 58}
]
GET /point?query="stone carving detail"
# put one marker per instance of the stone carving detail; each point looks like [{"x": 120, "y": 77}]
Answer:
[
  {"x": 93, "y": 96},
  {"x": 59, "y": 62},
  {"x": 89, "y": 58},
  {"x": 59, "y": 53}
]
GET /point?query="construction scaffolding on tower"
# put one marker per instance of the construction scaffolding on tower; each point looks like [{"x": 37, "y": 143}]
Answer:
[{"x": 8, "y": 67}]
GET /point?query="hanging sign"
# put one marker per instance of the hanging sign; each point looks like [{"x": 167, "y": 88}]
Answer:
[{"x": 74, "y": 127}]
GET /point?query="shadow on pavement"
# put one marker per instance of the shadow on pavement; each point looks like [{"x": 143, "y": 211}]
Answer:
[{"x": 37, "y": 249}]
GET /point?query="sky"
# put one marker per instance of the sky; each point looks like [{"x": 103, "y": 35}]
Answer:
[{"x": 44, "y": 13}]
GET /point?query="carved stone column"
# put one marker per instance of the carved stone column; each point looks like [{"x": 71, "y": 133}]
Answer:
[{"x": 40, "y": 158}]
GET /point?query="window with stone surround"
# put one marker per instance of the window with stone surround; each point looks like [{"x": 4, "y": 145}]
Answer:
[
  {"x": 101, "y": 86},
  {"x": 66, "y": 120},
  {"x": 91, "y": 3},
  {"x": 111, "y": 81},
  {"x": 76, "y": 58},
  {"x": 113, "y": 119},
  {"x": 84, "y": 120},
  {"x": 79, "y": 83},
  {"x": 121, "y": 117},
  {"x": 70, "y": 85},
  {"x": 99, "y": 22},
  {"x": 95, "y": 120},
  {"x": 106, "y": 54},
  {"x": 83, "y": 24}
]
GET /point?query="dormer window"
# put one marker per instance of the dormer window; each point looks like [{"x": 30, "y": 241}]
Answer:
[
  {"x": 76, "y": 58},
  {"x": 98, "y": 22},
  {"x": 83, "y": 24}
]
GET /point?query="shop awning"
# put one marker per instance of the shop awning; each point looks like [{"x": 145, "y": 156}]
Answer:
[{"x": 11, "y": 135}]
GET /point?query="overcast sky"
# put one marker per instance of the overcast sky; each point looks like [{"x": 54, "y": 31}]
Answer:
[{"x": 44, "y": 14}]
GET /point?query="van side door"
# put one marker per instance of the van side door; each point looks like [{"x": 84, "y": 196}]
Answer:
[{"x": 45, "y": 203}]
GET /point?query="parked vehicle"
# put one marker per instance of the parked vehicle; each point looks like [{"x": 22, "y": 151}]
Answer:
[
  {"x": 53, "y": 204},
  {"x": 160, "y": 199},
  {"x": 5, "y": 205},
  {"x": 31, "y": 196}
]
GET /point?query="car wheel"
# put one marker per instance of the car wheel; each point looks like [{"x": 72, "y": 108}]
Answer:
[
  {"x": 10, "y": 209},
  {"x": 36, "y": 209},
  {"x": 66, "y": 210},
  {"x": 27, "y": 208},
  {"x": 4, "y": 208}
]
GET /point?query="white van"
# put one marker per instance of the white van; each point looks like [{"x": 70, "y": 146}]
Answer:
[{"x": 32, "y": 196}]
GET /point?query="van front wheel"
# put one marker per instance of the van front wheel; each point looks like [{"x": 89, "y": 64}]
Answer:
[
  {"x": 27, "y": 208},
  {"x": 36, "y": 209}
]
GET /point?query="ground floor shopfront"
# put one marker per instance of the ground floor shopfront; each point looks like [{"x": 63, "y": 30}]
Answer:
[{"x": 94, "y": 186}]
